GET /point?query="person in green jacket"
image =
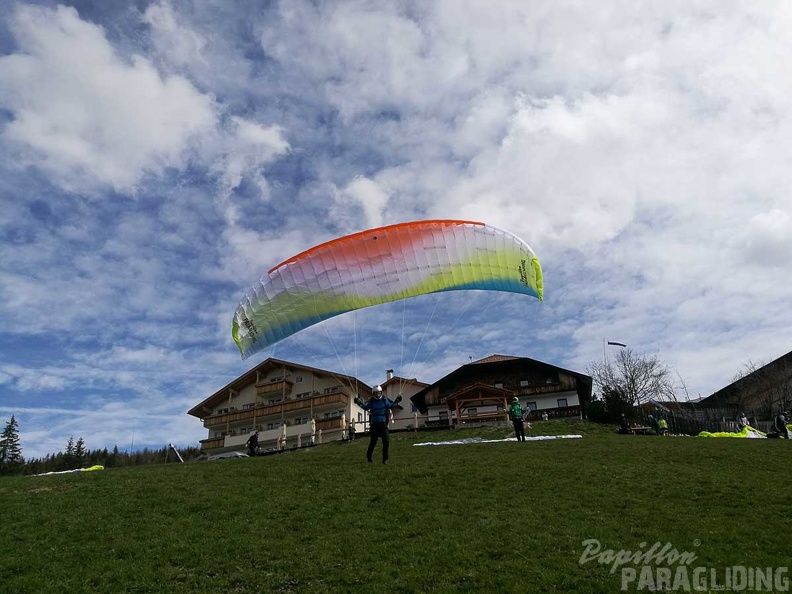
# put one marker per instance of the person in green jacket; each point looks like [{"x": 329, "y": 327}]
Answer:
[{"x": 516, "y": 416}]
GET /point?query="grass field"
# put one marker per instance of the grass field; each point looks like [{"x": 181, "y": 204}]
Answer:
[{"x": 489, "y": 517}]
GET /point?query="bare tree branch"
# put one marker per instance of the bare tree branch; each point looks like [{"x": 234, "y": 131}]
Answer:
[{"x": 640, "y": 377}]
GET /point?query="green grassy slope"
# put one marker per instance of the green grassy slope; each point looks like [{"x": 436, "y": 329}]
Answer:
[{"x": 489, "y": 517}]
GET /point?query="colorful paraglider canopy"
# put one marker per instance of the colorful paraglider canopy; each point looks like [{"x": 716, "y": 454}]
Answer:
[{"x": 381, "y": 265}]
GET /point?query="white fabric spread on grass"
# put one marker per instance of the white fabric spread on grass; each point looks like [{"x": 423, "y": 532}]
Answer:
[{"x": 468, "y": 440}]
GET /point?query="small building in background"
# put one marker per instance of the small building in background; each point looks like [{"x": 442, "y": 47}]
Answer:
[
  {"x": 405, "y": 414},
  {"x": 480, "y": 390},
  {"x": 761, "y": 394}
]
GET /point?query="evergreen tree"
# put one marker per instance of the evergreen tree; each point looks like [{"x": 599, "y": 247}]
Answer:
[
  {"x": 76, "y": 451},
  {"x": 79, "y": 453},
  {"x": 11, "y": 460},
  {"x": 59, "y": 462},
  {"x": 112, "y": 459},
  {"x": 68, "y": 456}
]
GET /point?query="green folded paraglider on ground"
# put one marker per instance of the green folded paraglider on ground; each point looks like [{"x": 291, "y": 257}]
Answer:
[{"x": 747, "y": 432}]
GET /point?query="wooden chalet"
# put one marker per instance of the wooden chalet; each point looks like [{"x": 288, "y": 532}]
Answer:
[
  {"x": 481, "y": 391},
  {"x": 287, "y": 403}
]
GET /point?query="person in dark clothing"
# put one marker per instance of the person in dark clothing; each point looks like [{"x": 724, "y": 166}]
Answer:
[
  {"x": 516, "y": 416},
  {"x": 780, "y": 425},
  {"x": 654, "y": 424},
  {"x": 624, "y": 425},
  {"x": 351, "y": 431},
  {"x": 252, "y": 444},
  {"x": 378, "y": 407}
]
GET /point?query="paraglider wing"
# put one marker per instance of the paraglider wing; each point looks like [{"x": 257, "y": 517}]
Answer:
[{"x": 381, "y": 265}]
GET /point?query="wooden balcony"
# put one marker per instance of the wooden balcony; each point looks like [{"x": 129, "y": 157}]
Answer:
[
  {"x": 557, "y": 413},
  {"x": 283, "y": 387},
  {"x": 539, "y": 390},
  {"x": 263, "y": 411},
  {"x": 330, "y": 424},
  {"x": 210, "y": 444},
  {"x": 269, "y": 438}
]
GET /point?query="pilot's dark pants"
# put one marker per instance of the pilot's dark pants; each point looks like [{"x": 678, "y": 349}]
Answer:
[
  {"x": 378, "y": 430},
  {"x": 519, "y": 429}
]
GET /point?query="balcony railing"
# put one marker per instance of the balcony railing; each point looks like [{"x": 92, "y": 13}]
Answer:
[
  {"x": 276, "y": 410},
  {"x": 281, "y": 387},
  {"x": 329, "y": 424},
  {"x": 210, "y": 444},
  {"x": 269, "y": 438}
]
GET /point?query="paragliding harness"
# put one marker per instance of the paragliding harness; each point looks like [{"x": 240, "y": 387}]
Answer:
[
  {"x": 377, "y": 409},
  {"x": 515, "y": 411}
]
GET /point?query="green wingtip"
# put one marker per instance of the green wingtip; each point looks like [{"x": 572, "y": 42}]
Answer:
[
  {"x": 539, "y": 278},
  {"x": 235, "y": 334}
]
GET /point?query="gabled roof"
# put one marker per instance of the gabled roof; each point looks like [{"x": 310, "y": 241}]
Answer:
[
  {"x": 776, "y": 372},
  {"x": 203, "y": 408},
  {"x": 419, "y": 399},
  {"x": 494, "y": 359},
  {"x": 481, "y": 391},
  {"x": 402, "y": 381}
]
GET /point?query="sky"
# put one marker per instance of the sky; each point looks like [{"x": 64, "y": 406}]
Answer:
[{"x": 158, "y": 157}]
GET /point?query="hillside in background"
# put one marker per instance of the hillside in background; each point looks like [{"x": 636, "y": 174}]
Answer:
[{"x": 486, "y": 517}]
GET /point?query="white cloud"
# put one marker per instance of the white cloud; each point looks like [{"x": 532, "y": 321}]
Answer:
[
  {"x": 640, "y": 148},
  {"x": 362, "y": 193},
  {"x": 87, "y": 115},
  {"x": 248, "y": 146},
  {"x": 93, "y": 118},
  {"x": 181, "y": 45},
  {"x": 768, "y": 238}
]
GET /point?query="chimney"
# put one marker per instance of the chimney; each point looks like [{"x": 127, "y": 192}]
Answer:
[{"x": 389, "y": 374}]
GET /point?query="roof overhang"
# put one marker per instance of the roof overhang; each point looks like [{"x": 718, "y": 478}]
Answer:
[
  {"x": 480, "y": 393},
  {"x": 205, "y": 407}
]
